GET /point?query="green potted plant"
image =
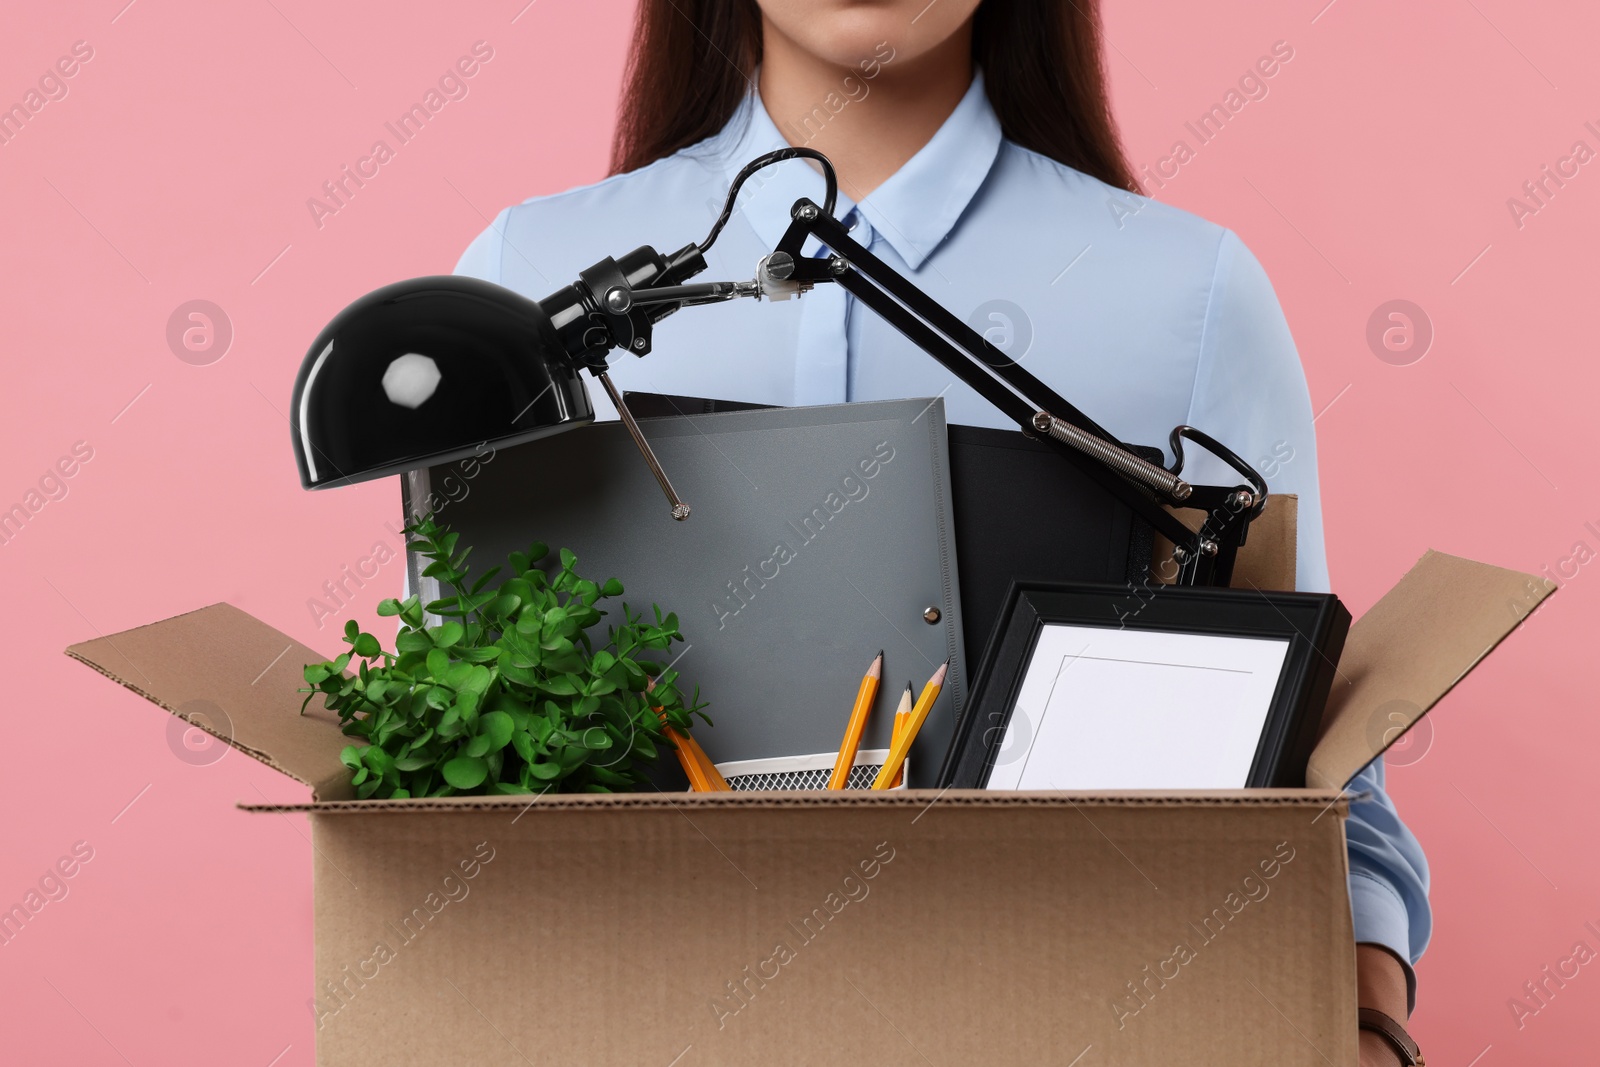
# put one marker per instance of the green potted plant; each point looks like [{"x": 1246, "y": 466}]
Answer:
[{"x": 516, "y": 691}]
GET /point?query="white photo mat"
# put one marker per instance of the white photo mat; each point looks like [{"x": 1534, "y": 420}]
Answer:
[{"x": 1106, "y": 709}]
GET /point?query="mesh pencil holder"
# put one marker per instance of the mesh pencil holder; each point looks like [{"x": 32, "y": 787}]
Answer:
[{"x": 806, "y": 772}]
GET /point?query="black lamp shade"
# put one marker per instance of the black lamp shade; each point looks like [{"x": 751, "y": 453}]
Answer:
[{"x": 427, "y": 371}]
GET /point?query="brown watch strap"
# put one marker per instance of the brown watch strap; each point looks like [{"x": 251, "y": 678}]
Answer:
[{"x": 1392, "y": 1032}]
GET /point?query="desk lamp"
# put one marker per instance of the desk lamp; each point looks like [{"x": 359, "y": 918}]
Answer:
[{"x": 430, "y": 370}]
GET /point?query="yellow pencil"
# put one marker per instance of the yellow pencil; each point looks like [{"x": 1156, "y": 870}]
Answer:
[
  {"x": 697, "y": 766},
  {"x": 703, "y": 774},
  {"x": 857, "y": 724},
  {"x": 713, "y": 776},
  {"x": 698, "y": 782},
  {"x": 919, "y": 715},
  {"x": 902, "y": 719}
]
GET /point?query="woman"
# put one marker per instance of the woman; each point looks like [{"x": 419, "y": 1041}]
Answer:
[{"x": 976, "y": 155}]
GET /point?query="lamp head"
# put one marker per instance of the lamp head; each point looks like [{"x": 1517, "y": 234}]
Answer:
[{"x": 427, "y": 371}]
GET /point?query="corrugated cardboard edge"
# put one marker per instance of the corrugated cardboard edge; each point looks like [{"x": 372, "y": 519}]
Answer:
[
  {"x": 1409, "y": 650},
  {"x": 907, "y": 800},
  {"x": 225, "y": 672}
]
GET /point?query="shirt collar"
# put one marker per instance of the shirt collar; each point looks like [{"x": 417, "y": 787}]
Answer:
[{"x": 914, "y": 210}]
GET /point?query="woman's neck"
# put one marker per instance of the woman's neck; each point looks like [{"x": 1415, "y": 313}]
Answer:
[{"x": 870, "y": 118}]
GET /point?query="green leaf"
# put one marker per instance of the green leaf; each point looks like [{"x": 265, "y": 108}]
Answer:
[
  {"x": 607, "y": 776},
  {"x": 484, "y": 579},
  {"x": 560, "y": 686},
  {"x": 479, "y": 679},
  {"x": 367, "y": 646},
  {"x": 565, "y": 660},
  {"x": 520, "y": 675},
  {"x": 478, "y": 746},
  {"x": 439, "y": 665},
  {"x": 523, "y": 744},
  {"x": 448, "y": 634},
  {"x": 503, "y": 605},
  {"x": 544, "y": 771},
  {"x": 497, "y": 726},
  {"x": 465, "y": 772},
  {"x": 412, "y": 763},
  {"x": 612, "y": 587},
  {"x": 477, "y": 601},
  {"x": 413, "y": 641},
  {"x": 350, "y": 756},
  {"x": 389, "y": 606}
]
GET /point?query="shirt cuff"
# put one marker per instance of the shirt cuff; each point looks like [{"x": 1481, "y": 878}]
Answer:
[{"x": 1379, "y": 917}]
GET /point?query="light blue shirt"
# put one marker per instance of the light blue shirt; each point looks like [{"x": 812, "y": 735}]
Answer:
[{"x": 1142, "y": 315}]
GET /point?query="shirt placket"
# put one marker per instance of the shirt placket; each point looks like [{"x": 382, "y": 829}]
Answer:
[{"x": 822, "y": 355}]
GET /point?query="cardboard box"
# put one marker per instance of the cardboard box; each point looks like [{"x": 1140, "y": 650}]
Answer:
[{"x": 823, "y": 928}]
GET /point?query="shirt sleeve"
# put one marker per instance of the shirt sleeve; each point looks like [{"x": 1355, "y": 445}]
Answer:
[
  {"x": 482, "y": 257},
  {"x": 1388, "y": 875},
  {"x": 1250, "y": 393}
]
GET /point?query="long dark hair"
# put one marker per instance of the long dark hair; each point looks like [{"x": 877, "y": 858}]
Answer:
[{"x": 692, "y": 61}]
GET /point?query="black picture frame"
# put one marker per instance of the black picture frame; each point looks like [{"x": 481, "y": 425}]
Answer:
[{"x": 1314, "y": 624}]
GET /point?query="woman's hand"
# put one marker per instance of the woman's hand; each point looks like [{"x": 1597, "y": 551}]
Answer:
[
  {"x": 1380, "y": 984},
  {"x": 1376, "y": 1052}
]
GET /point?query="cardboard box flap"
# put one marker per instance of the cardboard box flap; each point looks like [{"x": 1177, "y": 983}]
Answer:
[
  {"x": 1411, "y": 649},
  {"x": 236, "y": 678}
]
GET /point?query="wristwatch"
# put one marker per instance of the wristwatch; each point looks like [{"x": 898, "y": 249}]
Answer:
[{"x": 1392, "y": 1032}]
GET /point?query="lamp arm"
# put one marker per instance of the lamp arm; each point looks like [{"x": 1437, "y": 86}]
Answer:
[
  {"x": 615, "y": 304},
  {"x": 1204, "y": 557}
]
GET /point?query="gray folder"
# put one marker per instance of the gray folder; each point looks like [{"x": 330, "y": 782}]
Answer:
[{"x": 818, "y": 536}]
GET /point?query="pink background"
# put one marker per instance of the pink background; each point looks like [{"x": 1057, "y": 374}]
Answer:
[{"x": 178, "y": 168}]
